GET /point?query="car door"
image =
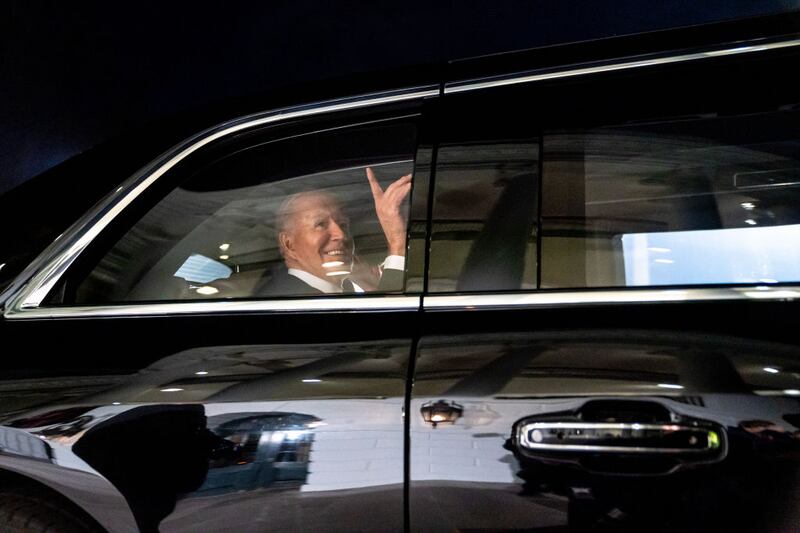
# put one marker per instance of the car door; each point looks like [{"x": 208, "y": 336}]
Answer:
[
  {"x": 609, "y": 337},
  {"x": 151, "y": 380}
]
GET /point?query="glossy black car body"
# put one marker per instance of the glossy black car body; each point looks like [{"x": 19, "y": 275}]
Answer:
[{"x": 495, "y": 392}]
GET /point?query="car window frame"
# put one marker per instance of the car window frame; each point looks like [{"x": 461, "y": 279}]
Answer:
[
  {"x": 615, "y": 295},
  {"x": 22, "y": 298},
  {"x": 25, "y": 297}
]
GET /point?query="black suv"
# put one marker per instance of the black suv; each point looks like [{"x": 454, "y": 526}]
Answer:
[{"x": 585, "y": 321}]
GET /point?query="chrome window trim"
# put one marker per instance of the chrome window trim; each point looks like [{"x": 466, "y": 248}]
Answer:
[
  {"x": 24, "y": 296},
  {"x": 349, "y": 304},
  {"x": 31, "y": 287},
  {"x": 619, "y": 64},
  {"x": 614, "y": 296}
]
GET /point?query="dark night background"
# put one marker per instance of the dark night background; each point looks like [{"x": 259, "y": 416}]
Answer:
[{"x": 89, "y": 92}]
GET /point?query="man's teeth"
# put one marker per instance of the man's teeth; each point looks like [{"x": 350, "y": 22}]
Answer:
[{"x": 334, "y": 263}]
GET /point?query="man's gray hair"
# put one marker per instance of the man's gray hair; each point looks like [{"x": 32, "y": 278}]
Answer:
[{"x": 284, "y": 217}]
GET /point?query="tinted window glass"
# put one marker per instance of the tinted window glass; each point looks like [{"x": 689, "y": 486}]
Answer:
[
  {"x": 295, "y": 216},
  {"x": 701, "y": 200},
  {"x": 485, "y": 198}
]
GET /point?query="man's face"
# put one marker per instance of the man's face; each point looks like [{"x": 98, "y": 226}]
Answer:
[{"x": 317, "y": 237}]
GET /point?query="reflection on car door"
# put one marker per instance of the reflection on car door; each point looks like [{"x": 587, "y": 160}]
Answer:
[
  {"x": 224, "y": 410},
  {"x": 629, "y": 429}
]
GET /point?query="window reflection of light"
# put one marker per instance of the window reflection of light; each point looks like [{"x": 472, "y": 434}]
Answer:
[
  {"x": 171, "y": 389},
  {"x": 751, "y": 222},
  {"x": 312, "y": 380},
  {"x": 748, "y": 205},
  {"x": 742, "y": 49},
  {"x": 772, "y": 294},
  {"x": 792, "y": 392},
  {"x": 116, "y": 403},
  {"x": 731, "y": 255},
  {"x": 200, "y": 269},
  {"x": 277, "y": 436},
  {"x": 224, "y": 257},
  {"x": 338, "y": 273},
  {"x": 771, "y": 370},
  {"x": 205, "y": 289},
  {"x": 670, "y": 386},
  {"x": 224, "y": 246},
  {"x": 294, "y": 434},
  {"x": 312, "y": 425},
  {"x": 201, "y": 373}
]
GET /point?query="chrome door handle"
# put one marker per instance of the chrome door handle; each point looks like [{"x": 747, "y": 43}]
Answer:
[{"x": 627, "y": 438}]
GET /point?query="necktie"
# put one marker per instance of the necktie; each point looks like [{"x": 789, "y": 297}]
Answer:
[{"x": 347, "y": 286}]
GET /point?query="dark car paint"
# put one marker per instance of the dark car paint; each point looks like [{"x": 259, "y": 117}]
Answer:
[
  {"x": 173, "y": 456},
  {"x": 748, "y": 490},
  {"x": 159, "y": 453}
]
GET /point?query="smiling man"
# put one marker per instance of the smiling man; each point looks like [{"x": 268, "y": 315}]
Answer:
[{"x": 317, "y": 247}]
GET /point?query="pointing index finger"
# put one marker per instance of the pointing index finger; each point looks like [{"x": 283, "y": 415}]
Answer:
[{"x": 377, "y": 192}]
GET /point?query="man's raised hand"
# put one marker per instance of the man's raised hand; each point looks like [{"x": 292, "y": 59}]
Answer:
[{"x": 387, "y": 207}]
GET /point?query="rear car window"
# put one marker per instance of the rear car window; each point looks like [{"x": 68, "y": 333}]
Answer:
[
  {"x": 675, "y": 175},
  {"x": 680, "y": 175},
  {"x": 702, "y": 200},
  {"x": 288, "y": 217}
]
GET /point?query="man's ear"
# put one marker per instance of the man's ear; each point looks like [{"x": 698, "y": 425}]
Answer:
[{"x": 286, "y": 245}]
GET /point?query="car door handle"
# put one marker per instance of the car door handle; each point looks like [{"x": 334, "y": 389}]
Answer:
[{"x": 626, "y": 438}]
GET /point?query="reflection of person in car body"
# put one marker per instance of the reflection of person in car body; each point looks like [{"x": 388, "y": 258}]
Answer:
[{"x": 317, "y": 247}]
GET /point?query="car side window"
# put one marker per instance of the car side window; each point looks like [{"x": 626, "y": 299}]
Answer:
[
  {"x": 580, "y": 183},
  {"x": 311, "y": 214},
  {"x": 705, "y": 200},
  {"x": 700, "y": 188},
  {"x": 485, "y": 203}
]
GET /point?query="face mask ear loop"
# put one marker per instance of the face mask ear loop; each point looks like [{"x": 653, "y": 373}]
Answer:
[{"x": 352, "y": 254}]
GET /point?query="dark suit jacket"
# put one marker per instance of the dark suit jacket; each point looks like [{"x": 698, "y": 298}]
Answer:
[{"x": 281, "y": 283}]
